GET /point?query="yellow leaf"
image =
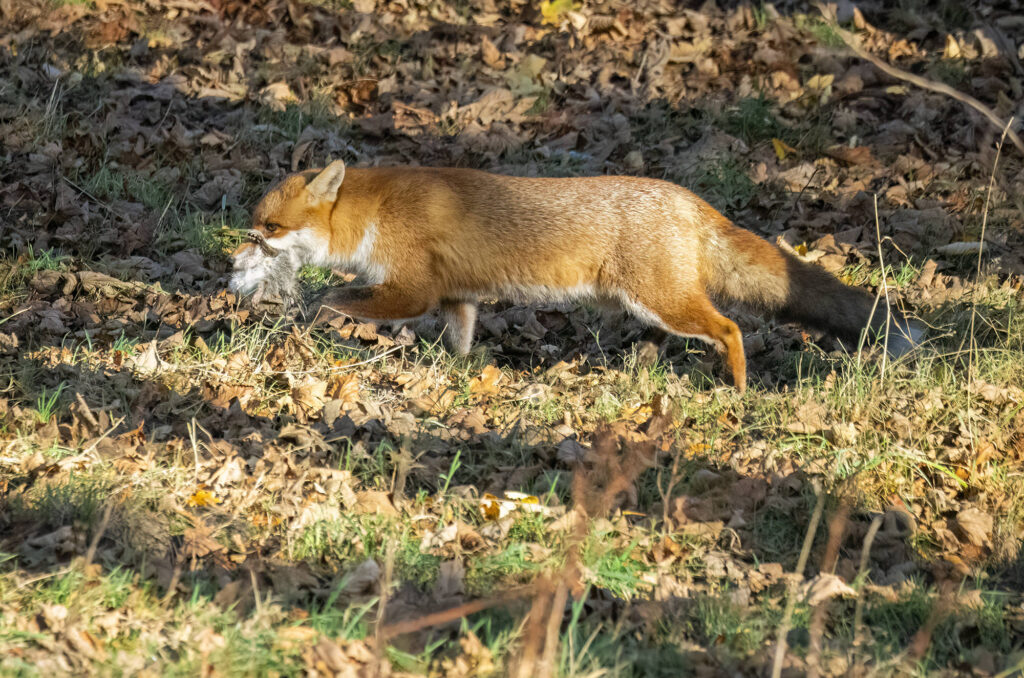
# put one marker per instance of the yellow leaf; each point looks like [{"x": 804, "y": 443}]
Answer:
[
  {"x": 801, "y": 249},
  {"x": 820, "y": 83},
  {"x": 952, "y": 50},
  {"x": 782, "y": 149},
  {"x": 523, "y": 497},
  {"x": 490, "y": 507},
  {"x": 203, "y": 497},
  {"x": 697, "y": 449},
  {"x": 552, "y": 10}
]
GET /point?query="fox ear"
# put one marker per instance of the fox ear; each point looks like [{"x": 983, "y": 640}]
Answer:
[{"x": 325, "y": 185}]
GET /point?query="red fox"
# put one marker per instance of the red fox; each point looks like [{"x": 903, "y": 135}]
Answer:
[{"x": 424, "y": 238}]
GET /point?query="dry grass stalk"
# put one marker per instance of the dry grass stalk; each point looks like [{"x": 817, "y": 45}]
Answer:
[
  {"x": 787, "y": 615},
  {"x": 449, "y": 615},
  {"x": 858, "y": 614},
  {"x": 943, "y": 606},
  {"x": 836, "y": 528}
]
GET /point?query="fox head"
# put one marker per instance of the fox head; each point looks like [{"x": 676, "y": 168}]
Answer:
[{"x": 290, "y": 228}]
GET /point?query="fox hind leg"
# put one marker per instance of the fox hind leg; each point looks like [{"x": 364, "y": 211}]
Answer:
[
  {"x": 458, "y": 319},
  {"x": 698, "y": 317}
]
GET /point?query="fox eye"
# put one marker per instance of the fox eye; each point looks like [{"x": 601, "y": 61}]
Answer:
[{"x": 271, "y": 227}]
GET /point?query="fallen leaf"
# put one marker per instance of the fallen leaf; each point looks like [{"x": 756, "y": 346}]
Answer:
[
  {"x": 974, "y": 526},
  {"x": 486, "y": 383},
  {"x": 203, "y": 497},
  {"x": 782, "y": 149}
]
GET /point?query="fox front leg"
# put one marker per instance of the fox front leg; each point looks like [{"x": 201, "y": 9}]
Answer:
[
  {"x": 458, "y": 318},
  {"x": 378, "y": 302}
]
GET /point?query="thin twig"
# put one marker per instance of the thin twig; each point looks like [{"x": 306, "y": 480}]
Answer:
[
  {"x": 787, "y": 616},
  {"x": 172, "y": 586},
  {"x": 89, "y": 195},
  {"x": 386, "y": 581},
  {"x": 836, "y": 527},
  {"x": 885, "y": 291},
  {"x": 865, "y": 553},
  {"x": 974, "y": 297},
  {"x": 256, "y": 592},
  {"x": 32, "y": 580},
  {"x": 100, "y": 530},
  {"x": 546, "y": 668},
  {"x": 16, "y": 313},
  {"x": 924, "y": 83},
  {"x": 449, "y": 615},
  {"x": 101, "y": 438}
]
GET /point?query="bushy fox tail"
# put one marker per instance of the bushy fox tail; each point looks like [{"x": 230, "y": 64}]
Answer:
[{"x": 742, "y": 267}]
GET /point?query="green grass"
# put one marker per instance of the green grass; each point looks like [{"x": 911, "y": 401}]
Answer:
[
  {"x": 719, "y": 621},
  {"x": 725, "y": 184},
  {"x": 900, "y": 275},
  {"x": 213, "y": 236},
  {"x": 754, "y": 121},
  {"x": 511, "y": 566},
  {"x": 15, "y": 272},
  {"x": 90, "y": 4},
  {"x": 79, "y": 499},
  {"x": 288, "y": 124},
  {"x": 340, "y": 545},
  {"x": 331, "y": 5},
  {"x": 46, "y": 403},
  {"x": 894, "y": 623},
  {"x": 761, "y": 16},
  {"x": 952, "y": 72},
  {"x": 46, "y": 260},
  {"x": 820, "y": 29}
]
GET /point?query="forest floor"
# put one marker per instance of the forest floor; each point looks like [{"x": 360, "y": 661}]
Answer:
[{"x": 190, "y": 485}]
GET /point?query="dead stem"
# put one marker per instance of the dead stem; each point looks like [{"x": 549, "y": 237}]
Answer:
[{"x": 787, "y": 616}]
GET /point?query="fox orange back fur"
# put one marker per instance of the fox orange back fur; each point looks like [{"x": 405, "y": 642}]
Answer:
[{"x": 424, "y": 238}]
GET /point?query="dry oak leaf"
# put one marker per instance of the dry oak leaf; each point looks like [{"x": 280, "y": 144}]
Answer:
[
  {"x": 375, "y": 501},
  {"x": 974, "y": 526},
  {"x": 825, "y": 587},
  {"x": 343, "y": 387},
  {"x": 308, "y": 395},
  {"x": 486, "y": 383},
  {"x": 277, "y": 96},
  {"x": 858, "y": 155},
  {"x": 491, "y": 55},
  {"x": 86, "y": 643}
]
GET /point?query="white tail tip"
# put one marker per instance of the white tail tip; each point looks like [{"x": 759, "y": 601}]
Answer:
[{"x": 904, "y": 336}]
